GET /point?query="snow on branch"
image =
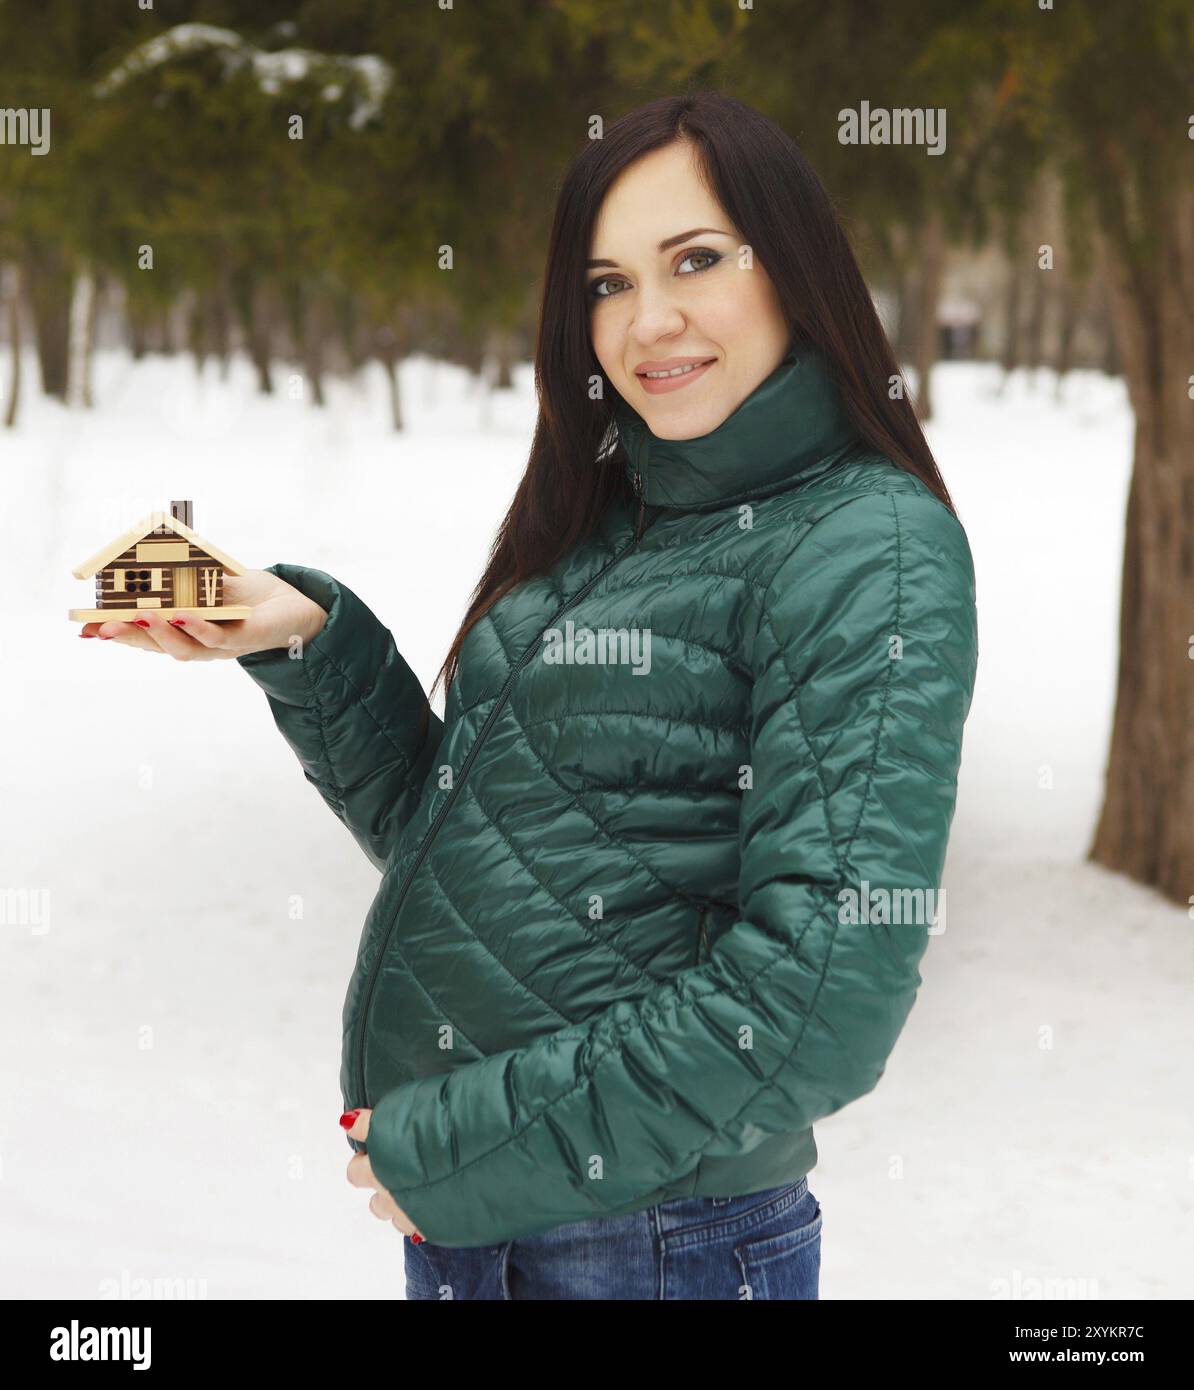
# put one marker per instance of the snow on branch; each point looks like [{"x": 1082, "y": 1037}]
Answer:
[{"x": 272, "y": 70}]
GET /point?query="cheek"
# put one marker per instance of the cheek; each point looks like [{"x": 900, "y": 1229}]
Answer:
[
  {"x": 744, "y": 303},
  {"x": 765, "y": 307},
  {"x": 745, "y": 320},
  {"x": 609, "y": 318},
  {"x": 608, "y": 337}
]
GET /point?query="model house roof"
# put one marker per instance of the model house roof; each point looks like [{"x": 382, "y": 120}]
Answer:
[{"x": 141, "y": 531}]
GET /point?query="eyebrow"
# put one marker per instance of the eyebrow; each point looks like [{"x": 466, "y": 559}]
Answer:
[{"x": 664, "y": 245}]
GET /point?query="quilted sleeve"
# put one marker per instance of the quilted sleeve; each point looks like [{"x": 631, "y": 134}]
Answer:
[
  {"x": 353, "y": 711},
  {"x": 864, "y": 663}
]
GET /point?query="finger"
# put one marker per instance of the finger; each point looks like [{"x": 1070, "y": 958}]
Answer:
[
  {"x": 207, "y": 634},
  {"x": 360, "y": 1172},
  {"x": 359, "y": 1129},
  {"x": 383, "y": 1206},
  {"x": 127, "y": 633},
  {"x": 169, "y": 638}
]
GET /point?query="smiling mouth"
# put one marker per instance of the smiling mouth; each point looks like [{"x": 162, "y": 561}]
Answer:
[{"x": 675, "y": 371}]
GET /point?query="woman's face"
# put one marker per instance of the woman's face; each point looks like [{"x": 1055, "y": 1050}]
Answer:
[{"x": 668, "y": 287}]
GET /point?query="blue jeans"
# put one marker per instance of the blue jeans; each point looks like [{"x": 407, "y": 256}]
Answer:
[{"x": 764, "y": 1245}]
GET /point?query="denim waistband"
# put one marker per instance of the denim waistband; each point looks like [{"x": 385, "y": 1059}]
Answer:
[{"x": 683, "y": 1212}]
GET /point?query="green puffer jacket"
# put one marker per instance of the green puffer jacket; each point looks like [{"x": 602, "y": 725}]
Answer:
[{"x": 655, "y": 891}]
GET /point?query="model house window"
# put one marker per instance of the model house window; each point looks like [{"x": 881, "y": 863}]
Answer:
[{"x": 136, "y": 581}]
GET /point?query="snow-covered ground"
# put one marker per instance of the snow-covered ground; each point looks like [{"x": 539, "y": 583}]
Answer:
[{"x": 170, "y": 989}]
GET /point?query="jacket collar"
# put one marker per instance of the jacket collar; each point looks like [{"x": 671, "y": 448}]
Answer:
[{"x": 795, "y": 418}]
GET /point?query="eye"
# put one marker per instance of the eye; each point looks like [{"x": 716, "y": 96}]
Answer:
[
  {"x": 594, "y": 289},
  {"x": 697, "y": 251},
  {"x": 712, "y": 256}
]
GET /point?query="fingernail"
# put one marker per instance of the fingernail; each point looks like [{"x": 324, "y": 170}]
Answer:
[
  {"x": 141, "y": 622},
  {"x": 86, "y": 634},
  {"x": 416, "y": 1239},
  {"x": 349, "y": 1118},
  {"x": 103, "y": 636},
  {"x": 178, "y": 622}
]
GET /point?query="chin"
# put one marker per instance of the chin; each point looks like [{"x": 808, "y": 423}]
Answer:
[{"x": 689, "y": 424}]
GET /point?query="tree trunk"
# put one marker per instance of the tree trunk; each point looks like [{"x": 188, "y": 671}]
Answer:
[
  {"x": 928, "y": 293},
  {"x": 12, "y": 298},
  {"x": 138, "y": 324},
  {"x": 1010, "y": 357},
  {"x": 386, "y": 344},
  {"x": 314, "y": 334},
  {"x": 1034, "y": 329},
  {"x": 256, "y": 317},
  {"x": 390, "y": 362},
  {"x": 48, "y": 284},
  {"x": 220, "y": 321},
  {"x": 1146, "y": 827},
  {"x": 197, "y": 331},
  {"x": 1071, "y": 313},
  {"x": 902, "y": 344},
  {"x": 261, "y": 340},
  {"x": 101, "y": 288},
  {"x": 82, "y": 327},
  {"x": 501, "y": 369},
  {"x": 347, "y": 316},
  {"x": 1112, "y": 364}
]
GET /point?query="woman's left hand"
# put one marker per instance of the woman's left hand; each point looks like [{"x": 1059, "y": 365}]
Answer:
[{"x": 361, "y": 1174}]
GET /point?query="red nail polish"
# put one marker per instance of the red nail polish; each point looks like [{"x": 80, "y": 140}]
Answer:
[
  {"x": 349, "y": 1118},
  {"x": 140, "y": 622},
  {"x": 416, "y": 1239},
  {"x": 86, "y": 634},
  {"x": 179, "y": 622}
]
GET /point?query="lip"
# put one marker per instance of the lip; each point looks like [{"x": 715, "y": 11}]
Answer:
[{"x": 659, "y": 385}]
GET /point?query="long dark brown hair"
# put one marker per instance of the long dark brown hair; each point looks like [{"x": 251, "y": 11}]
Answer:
[{"x": 774, "y": 198}]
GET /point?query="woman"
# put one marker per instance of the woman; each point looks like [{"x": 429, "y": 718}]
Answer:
[{"x": 639, "y": 923}]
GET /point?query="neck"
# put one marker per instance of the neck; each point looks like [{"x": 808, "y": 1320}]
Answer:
[{"x": 791, "y": 422}]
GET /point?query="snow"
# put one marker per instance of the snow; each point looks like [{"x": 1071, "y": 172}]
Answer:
[
  {"x": 181, "y": 911},
  {"x": 273, "y": 69}
]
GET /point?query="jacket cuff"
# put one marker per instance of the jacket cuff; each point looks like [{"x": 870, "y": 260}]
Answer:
[
  {"x": 398, "y": 1172},
  {"x": 278, "y": 672}
]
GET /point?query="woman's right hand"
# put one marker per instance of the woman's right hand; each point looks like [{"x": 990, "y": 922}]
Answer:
[{"x": 280, "y": 614}]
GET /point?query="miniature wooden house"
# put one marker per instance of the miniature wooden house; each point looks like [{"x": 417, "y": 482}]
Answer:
[{"x": 159, "y": 563}]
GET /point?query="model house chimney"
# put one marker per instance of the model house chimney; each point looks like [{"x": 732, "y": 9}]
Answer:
[{"x": 181, "y": 511}]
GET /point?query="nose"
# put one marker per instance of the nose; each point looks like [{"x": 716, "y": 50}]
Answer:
[{"x": 657, "y": 315}]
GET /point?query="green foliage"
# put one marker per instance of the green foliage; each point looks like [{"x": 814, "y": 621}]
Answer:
[{"x": 463, "y": 146}]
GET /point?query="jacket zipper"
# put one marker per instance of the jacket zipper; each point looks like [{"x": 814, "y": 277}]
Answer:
[
  {"x": 470, "y": 757},
  {"x": 640, "y": 485}
]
